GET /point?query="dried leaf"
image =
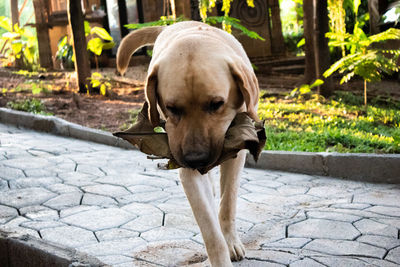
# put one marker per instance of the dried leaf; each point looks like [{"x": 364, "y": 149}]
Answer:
[{"x": 243, "y": 133}]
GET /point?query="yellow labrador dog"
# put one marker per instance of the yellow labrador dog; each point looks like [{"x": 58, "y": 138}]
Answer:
[{"x": 199, "y": 78}]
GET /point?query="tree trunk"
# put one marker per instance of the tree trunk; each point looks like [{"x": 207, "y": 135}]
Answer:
[
  {"x": 375, "y": 9},
  {"x": 322, "y": 56},
  {"x": 316, "y": 25},
  {"x": 308, "y": 24},
  {"x": 15, "y": 20},
  {"x": 42, "y": 30},
  {"x": 82, "y": 65}
]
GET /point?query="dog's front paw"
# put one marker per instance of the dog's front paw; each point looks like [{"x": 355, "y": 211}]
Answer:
[{"x": 235, "y": 246}]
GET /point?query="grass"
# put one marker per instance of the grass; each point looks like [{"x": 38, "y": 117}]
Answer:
[
  {"x": 339, "y": 124},
  {"x": 29, "y": 105}
]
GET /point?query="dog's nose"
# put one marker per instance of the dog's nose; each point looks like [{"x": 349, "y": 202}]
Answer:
[{"x": 196, "y": 159}]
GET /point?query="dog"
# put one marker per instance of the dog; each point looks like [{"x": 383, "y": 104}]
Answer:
[{"x": 198, "y": 79}]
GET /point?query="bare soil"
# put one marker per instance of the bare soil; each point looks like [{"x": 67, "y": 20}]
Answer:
[{"x": 112, "y": 112}]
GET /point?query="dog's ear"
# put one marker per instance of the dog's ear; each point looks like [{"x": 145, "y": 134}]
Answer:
[
  {"x": 248, "y": 85},
  {"x": 151, "y": 96}
]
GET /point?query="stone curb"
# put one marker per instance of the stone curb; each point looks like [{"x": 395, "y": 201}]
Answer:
[
  {"x": 54, "y": 125},
  {"x": 356, "y": 166},
  {"x": 365, "y": 167},
  {"x": 27, "y": 250}
]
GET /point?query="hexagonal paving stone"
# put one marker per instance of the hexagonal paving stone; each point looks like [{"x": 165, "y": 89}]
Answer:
[
  {"x": 64, "y": 200},
  {"x": 335, "y": 216},
  {"x": 9, "y": 173},
  {"x": 77, "y": 178},
  {"x": 378, "y": 198},
  {"x": 274, "y": 256},
  {"x": 89, "y": 169},
  {"x": 63, "y": 188},
  {"x": 145, "y": 197},
  {"x": 166, "y": 233},
  {"x": 145, "y": 222},
  {"x": 39, "y": 225},
  {"x": 24, "y": 164},
  {"x": 255, "y": 263},
  {"x": 33, "y": 182},
  {"x": 180, "y": 221},
  {"x": 341, "y": 261},
  {"x": 7, "y": 213},
  {"x": 106, "y": 190},
  {"x": 115, "y": 234},
  {"x": 292, "y": 190},
  {"x": 115, "y": 247},
  {"x": 25, "y": 197},
  {"x": 394, "y": 255},
  {"x": 288, "y": 243},
  {"x": 326, "y": 191},
  {"x": 142, "y": 209},
  {"x": 3, "y": 185},
  {"x": 103, "y": 201},
  {"x": 306, "y": 262},
  {"x": 318, "y": 228},
  {"x": 389, "y": 211},
  {"x": 172, "y": 253},
  {"x": 345, "y": 248},
  {"x": 380, "y": 241},
  {"x": 367, "y": 226},
  {"x": 69, "y": 236},
  {"x": 39, "y": 213},
  {"x": 99, "y": 219}
]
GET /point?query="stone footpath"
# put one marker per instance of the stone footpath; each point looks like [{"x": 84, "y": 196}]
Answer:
[{"x": 118, "y": 206}]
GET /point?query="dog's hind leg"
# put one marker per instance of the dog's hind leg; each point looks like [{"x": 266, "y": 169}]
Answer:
[
  {"x": 199, "y": 193},
  {"x": 230, "y": 180}
]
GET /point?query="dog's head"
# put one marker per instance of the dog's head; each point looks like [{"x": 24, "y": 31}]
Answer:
[{"x": 199, "y": 97}]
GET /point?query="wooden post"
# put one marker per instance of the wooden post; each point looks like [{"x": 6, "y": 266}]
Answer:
[
  {"x": 123, "y": 18},
  {"x": 278, "y": 43},
  {"x": 15, "y": 20},
  {"x": 82, "y": 65},
  {"x": 42, "y": 31},
  {"x": 316, "y": 47}
]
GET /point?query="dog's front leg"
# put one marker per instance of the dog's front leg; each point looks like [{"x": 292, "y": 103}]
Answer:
[
  {"x": 230, "y": 179},
  {"x": 198, "y": 190}
]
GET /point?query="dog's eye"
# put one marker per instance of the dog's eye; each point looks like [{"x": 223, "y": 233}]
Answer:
[
  {"x": 174, "y": 110},
  {"x": 215, "y": 105}
]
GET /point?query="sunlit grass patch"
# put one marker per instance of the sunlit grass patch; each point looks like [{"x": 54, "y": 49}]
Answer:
[{"x": 339, "y": 124}]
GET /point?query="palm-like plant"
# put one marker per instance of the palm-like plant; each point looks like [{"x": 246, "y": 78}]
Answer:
[{"x": 364, "y": 59}]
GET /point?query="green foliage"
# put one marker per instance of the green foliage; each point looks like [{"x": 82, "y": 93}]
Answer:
[
  {"x": 364, "y": 58},
  {"x": 18, "y": 42},
  {"x": 65, "y": 52},
  {"x": 104, "y": 40},
  {"x": 334, "y": 125},
  {"x": 29, "y": 105},
  {"x": 226, "y": 22},
  {"x": 163, "y": 21},
  {"x": 98, "y": 81},
  {"x": 233, "y": 22},
  {"x": 305, "y": 88},
  {"x": 205, "y": 6}
]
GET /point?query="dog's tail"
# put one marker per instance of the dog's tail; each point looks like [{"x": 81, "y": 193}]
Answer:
[{"x": 134, "y": 41}]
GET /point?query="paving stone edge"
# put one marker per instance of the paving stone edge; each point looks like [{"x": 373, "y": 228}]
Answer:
[
  {"x": 26, "y": 250},
  {"x": 380, "y": 168}
]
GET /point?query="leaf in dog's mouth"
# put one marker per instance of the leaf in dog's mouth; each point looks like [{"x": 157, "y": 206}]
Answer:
[{"x": 243, "y": 133}]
